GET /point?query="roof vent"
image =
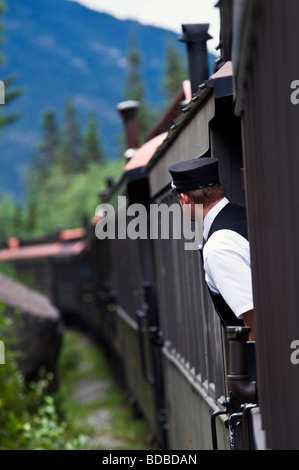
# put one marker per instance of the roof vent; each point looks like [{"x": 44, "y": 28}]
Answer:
[
  {"x": 196, "y": 37},
  {"x": 128, "y": 110}
]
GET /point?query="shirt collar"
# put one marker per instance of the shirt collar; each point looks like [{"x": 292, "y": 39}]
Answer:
[{"x": 209, "y": 218}]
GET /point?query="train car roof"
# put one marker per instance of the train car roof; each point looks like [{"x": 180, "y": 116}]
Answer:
[
  {"x": 202, "y": 106},
  {"x": 43, "y": 250},
  {"x": 157, "y": 136},
  {"x": 145, "y": 152}
]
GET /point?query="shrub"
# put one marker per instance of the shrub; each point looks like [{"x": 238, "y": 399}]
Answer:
[{"x": 28, "y": 415}]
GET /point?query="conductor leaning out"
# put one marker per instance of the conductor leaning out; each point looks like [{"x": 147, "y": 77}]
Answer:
[{"x": 225, "y": 252}]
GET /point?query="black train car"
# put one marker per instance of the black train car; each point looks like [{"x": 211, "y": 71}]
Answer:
[
  {"x": 131, "y": 297},
  {"x": 261, "y": 39},
  {"x": 186, "y": 341},
  {"x": 57, "y": 266},
  {"x": 195, "y": 350}
]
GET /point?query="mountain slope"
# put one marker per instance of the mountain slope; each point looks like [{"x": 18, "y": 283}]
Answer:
[{"x": 60, "y": 50}]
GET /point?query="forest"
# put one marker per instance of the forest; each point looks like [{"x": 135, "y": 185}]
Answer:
[
  {"x": 70, "y": 166},
  {"x": 63, "y": 186}
]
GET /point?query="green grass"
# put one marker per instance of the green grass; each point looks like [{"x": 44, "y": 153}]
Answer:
[{"x": 93, "y": 403}]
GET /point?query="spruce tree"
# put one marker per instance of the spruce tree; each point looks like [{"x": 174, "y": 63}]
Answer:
[
  {"x": 30, "y": 218},
  {"x": 93, "y": 150},
  {"x": 70, "y": 153},
  {"x": 7, "y": 206},
  {"x": 9, "y": 95},
  {"x": 176, "y": 72},
  {"x": 17, "y": 220},
  {"x": 48, "y": 147},
  {"x": 134, "y": 90}
]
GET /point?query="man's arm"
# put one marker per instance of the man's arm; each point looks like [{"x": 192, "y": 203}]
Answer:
[
  {"x": 228, "y": 272},
  {"x": 249, "y": 321}
]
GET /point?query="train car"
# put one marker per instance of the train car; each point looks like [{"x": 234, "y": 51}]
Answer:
[
  {"x": 261, "y": 39},
  {"x": 58, "y": 267},
  {"x": 193, "y": 389},
  {"x": 194, "y": 350},
  {"x": 131, "y": 294}
]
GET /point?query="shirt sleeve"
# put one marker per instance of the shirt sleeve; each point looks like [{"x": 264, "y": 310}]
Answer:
[{"x": 228, "y": 270}]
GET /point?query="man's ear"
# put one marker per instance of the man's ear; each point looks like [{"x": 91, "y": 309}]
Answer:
[{"x": 185, "y": 198}]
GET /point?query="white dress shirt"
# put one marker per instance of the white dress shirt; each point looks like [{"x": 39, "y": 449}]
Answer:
[{"x": 226, "y": 256}]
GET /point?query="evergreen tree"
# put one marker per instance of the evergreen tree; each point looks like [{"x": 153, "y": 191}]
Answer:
[
  {"x": 47, "y": 149},
  {"x": 94, "y": 152},
  {"x": 7, "y": 206},
  {"x": 6, "y": 216},
  {"x": 9, "y": 95},
  {"x": 30, "y": 215},
  {"x": 30, "y": 221},
  {"x": 134, "y": 87},
  {"x": 17, "y": 220},
  {"x": 134, "y": 90},
  {"x": 70, "y": 153},
  {"x": 176, "y": 72}
]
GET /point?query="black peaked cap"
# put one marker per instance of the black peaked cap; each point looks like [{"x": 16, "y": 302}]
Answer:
[{"x": 194, "y": 174}]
